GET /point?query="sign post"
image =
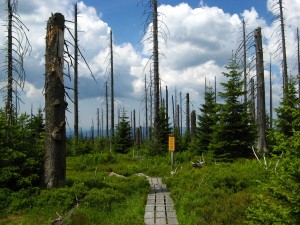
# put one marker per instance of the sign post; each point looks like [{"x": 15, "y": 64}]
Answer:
[{"x": 172, "y": 148}]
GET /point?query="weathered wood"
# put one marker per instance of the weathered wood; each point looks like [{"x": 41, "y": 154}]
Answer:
[
  {"x": 55, "y": 105},
  {"x": 261, "y": 105},
  {"x": 159, "y": 208}
]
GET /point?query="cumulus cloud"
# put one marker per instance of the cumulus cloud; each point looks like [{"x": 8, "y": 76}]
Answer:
[{"x": 199, "y": 43}]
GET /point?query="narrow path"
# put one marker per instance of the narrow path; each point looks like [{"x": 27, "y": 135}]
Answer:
[{"x": 159, "y": 207}]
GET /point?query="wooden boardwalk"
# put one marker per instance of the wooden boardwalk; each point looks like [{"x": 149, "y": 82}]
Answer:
[{"x": 160, "y": 207}]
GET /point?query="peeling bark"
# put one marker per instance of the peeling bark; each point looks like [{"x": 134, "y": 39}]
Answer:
[{"x": 55, "y": 105}]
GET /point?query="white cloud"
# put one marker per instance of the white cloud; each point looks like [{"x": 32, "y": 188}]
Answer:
[{"x": 200, "y": 42}]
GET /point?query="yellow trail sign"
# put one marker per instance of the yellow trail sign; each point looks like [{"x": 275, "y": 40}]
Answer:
[{"x": 171, "y": 143}]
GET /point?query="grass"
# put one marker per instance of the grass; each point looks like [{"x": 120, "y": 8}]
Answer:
[{"x": 215, "y": 194}]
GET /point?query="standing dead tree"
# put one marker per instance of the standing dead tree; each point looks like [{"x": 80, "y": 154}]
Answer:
[
  {"x": 298, "y": 60},
  {"x": 112, "y": 100},
  {"x": 75, "y": 77},
  {"x": 55, "y": 105},
  {"x": 261, "y": 105},
  {"x": 18, "y": 47},
  {"x": 152, "y": 31},
  {"x": 277, "y": 9}
]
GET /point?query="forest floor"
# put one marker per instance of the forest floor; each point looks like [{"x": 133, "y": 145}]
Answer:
[{"x": 217, "y": 193}]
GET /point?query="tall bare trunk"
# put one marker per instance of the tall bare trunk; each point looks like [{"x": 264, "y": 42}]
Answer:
[
  {"x": 146, "y": 106},
  {"x": 193, "y": 124},
  {"x": 106, "y": 101},
  {"x": 9, "y": 100},
  {"x": 75, "y": 77},
  {"x": 261, "y": 105},
  {"x": 245, "y": 61},
  {"x": 112, "y": 87},
  {"x": 252, "y": 104},
  {"x": 55, "y": 105},
  {"x": 298, "y": 59},
  {"x": 284, "y": 58},
  {"x": 156, "y": 71},
  {"x": 188, "y": 127},
  {"x": 271, "y": 96}
]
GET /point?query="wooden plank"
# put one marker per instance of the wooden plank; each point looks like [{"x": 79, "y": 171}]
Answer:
[
  {"x": 149, "y": 215},
  {"x": 161, "y": 221},
  {"x": 173, "y": 221},
  {"x": 149, "y": 221}
]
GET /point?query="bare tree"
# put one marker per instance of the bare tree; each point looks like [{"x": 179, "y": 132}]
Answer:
[
  {"x": 75, "y": 77},
  {"x": 298, "y": 60},
  {"x": 55, "y": 105},
  {"x": 188, "y": 126},
  {"x": 271, "y": 95},
  {"x": 261, "y": 105},
  {"x": 112, "y": 112},
  {"x": 18, "y": 47}
]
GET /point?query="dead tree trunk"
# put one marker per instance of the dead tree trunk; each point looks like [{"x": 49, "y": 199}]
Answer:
[
  {"x": 112, "y": 87},
  {"x": 146, "y": 106},
  {"x": 261, "y": 105},
  {"x": 284, "y": 58},
  {"x": 9, "y": 97},
  {"x": 298, "y": 59},
  {"x": 98, "y": 123},
  {"x": 271, "y": 96},
  {"x": 188, "y": 127},
  {"x": 106, "y": 105},
  {"x": 156, "y": 72},
  {"x": 167, "y": 106},
  {"x": 252, "y": 103},
  {"x": 193, "y": 124},
  {"x": 245, "y": 61},
  {"x": 55, "y": 105},
  {"x": 134, "y": 126},
  {"x": 75, "y": 77}
]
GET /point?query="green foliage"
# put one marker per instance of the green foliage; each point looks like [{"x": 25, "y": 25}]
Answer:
[
  {"x": 157, "y": 146},
  {"x": 206, "y": 120},
  {"x": 21, "y": 151},
  {"x": 280, "y": 202},
  {"x": 233, "y": 134},
  {"x": 216, "y": 193},
  {"x": 123, "y": 139},
  {"x": 287, "y": 116}
]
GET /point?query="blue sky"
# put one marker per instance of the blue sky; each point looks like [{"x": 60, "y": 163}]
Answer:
[
  {"x": 201, "y": 38},
  {"x": 125, "y": 17}
]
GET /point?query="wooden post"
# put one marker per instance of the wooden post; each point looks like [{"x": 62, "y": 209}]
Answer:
[
  {"x": 172, "y": 149},
  {"x": 55, "y": 105}
]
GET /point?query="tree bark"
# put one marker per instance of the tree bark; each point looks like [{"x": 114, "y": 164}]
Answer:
[
  {"x": 261, "y": 105},
  {"x": 9, "y": 98},
  {"x": 284, "y": 58},
  {"x": 75, "y": 78},
  {"x": 55, "y": 105},
  {"x": 156, "y": 72},
  {"x": 112, "y": 88}
]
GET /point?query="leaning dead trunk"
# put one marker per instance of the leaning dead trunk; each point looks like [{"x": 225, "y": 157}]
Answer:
[{"x": 55, "y": 142}]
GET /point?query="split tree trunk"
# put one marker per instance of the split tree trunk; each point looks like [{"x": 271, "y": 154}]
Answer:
[
  {"x": 55, "y": 105},
  {"x": 261, "y": 104}
]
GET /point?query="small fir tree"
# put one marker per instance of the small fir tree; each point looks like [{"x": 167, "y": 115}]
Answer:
[
  {"x": 286, "y": 115},
  {"x": 233, "y": 134},
  {"x": 206, "y": 120},
  {"x": 123, "y": 139}
]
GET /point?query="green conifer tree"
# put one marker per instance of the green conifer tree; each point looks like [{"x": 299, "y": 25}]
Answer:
[
  {"x": 233, "y": 134},
  {"x": 123, "y": 138},
  {"x": 286, "y": 115},
  {"x": 206, "y": 120}
]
